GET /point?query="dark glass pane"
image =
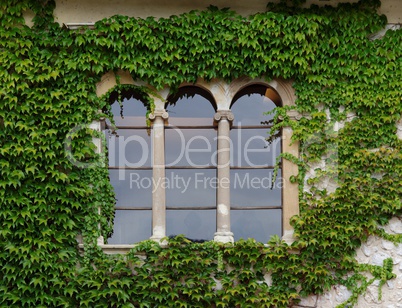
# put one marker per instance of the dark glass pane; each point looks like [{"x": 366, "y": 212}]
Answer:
[
  {"x": 250, "y": 148},
  {"x": 187, "y": 188},
  {"x": 129, "y": 148},
  {"x": 190, "y": 147},
  {"x": 253, "y": 188},
  {"x": 257, "y": 224},
  {"x": 249, "y": 109},
  {"x": 133, "y": 188},
  {"x": 191, "y": 106},
  {"x": 200, "y": 225},
  {"x": 134, "y": 113},
  {"x": 131, "y": 227}
]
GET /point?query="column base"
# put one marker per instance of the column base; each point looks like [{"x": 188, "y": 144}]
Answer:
[
  {"x": 224, "y": 237},
  {"x": 161, "y": 240},
  {"x": 289, "y": 237},
  {"x": 100, "y": 240}
]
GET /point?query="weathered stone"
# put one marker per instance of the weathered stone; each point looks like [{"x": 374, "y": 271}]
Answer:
[
  {"x": 310, "y": 301},
  {"x": 398, "y": 250},
  {"x": 366, "y": 250},
  {"x": 398, "y": 283},
  {"x": 394, "y": 298},
  {"x": 395, "y": 225},
  {"x": 374, "y": 251},
  {"x": 371, "y": 241},
  {"x": 379, "y": 257},
  {"x": 218, "y": 284},
  {"x": 371, "y": 295},
  {"x": 396, "y": 261},
  {"x": 326, "y": 300},
  {"x": 361, "y": 256},
  {"x": 387, "y": 245},
  {"x": 342, "y": 294},
  {"x": 268, "y": 279}
]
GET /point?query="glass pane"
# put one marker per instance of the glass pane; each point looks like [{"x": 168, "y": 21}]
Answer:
[
  {"x": 130, "y": 148},
  {"x": 196, "y": 225},
  {"x": 191, "y": 106},
  {"x": 257, "y": 224},
  {"x": 191, "y": 187},
  {"x": 190, "y": 147},
  {"x": 253, "y": 188},
  {"x": 134, "y": 113},
  {"x": 133, "y": 188},
  {"x": 249, "y": 109},
  {"x": 131, "y": 227},
  {"x": 250, "y": 148}
]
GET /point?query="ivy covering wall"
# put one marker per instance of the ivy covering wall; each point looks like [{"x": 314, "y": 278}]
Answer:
[{"x": 48, "y": 78}]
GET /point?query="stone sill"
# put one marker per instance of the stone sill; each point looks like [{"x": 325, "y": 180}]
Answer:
[{"x": 111, "y": 249}]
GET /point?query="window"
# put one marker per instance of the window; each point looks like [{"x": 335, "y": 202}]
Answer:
[
  {"x": 204, "y": 168},
  {"x": 256, "y": 204},
  {"x": 190, "y": 145},
  {"x": 130, "y": 170}
]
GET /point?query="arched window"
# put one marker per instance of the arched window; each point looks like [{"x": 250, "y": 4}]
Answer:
[
  {"x": 256, "y": 208},
  {"x": 204, "y": 168},
  {"x": 190, "y": 155},
  {"x": 130, "y": 170}
]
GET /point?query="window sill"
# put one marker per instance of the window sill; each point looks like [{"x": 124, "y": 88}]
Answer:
[{"x": 112, "y": 249}]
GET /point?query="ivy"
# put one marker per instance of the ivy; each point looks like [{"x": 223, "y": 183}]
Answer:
[{"x": 348, "y": 96}]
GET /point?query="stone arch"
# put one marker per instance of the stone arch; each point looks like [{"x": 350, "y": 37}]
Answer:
[
  {"x": 109, "y": 81},
  {"x": 200, "y": 89},
  {"x": 282, "y": 87}
]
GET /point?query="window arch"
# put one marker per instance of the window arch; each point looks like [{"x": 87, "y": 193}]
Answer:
[{"x": 207, "y": 108}]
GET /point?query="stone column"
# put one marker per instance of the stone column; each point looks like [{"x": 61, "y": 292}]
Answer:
[
  {"x": 158, "y": 172},
  {"x": 224, "y": 119},
  {"x": 290, "y": 190}
]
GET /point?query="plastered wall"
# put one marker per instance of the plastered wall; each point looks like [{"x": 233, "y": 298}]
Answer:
[{"x": 88, "y": 11}]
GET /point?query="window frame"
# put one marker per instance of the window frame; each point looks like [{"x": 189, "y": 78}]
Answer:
[{"x": 223, "y": 93}]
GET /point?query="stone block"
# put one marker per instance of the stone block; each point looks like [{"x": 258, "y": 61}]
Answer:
[
  {"x": 387, "y": 245},
  {"x": 379, "y": 257},
  {"x": 310, "y": 301}
]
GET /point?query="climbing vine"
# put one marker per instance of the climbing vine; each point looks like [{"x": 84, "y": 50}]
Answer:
[{"x": 348, "y": 93}]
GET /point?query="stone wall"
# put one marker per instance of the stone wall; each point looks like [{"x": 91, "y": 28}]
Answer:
[{"x": 374, "y": 251}]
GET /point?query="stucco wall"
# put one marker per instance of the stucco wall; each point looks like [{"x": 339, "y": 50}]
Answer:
[{"x": 78, "y": 11}]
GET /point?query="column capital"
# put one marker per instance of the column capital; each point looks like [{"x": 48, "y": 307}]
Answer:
[
  {"x": 223, "y": 115},
  {"x": 294, "y": 115},
  {"x": 158, "y": 113}
]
